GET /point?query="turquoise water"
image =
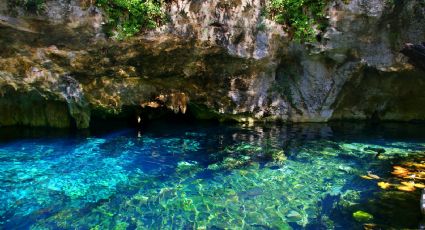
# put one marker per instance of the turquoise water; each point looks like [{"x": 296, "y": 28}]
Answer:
[{"x": 207, "y": 176}]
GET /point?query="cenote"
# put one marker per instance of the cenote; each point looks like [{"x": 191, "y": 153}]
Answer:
[
  {"x": 212, "y": 114},
  {"x": 213, "y": 176}
]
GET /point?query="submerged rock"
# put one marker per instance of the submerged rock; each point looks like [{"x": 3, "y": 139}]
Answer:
[
  {"x": 187, "y": 167},
  {"x": 293, "y": 216},
  {"x": 362, "y": 216},
  {"x": 346, "y": 169},
  {"x": 251, "y": 193}
]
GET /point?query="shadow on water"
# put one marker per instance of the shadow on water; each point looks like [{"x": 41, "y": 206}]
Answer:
[{"x": 390, "y": 208}]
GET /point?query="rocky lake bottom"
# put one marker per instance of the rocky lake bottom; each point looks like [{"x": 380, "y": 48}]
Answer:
[{"x": 214, "y": 176}]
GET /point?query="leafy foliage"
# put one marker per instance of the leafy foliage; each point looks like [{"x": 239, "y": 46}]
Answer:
[
  {"x": 301, "y": 16},
  {"x": 34, "y": 6},
  {"x": 128, "y": 17}
]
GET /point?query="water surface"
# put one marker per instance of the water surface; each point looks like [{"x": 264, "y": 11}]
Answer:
[{"x": 209, "y": 176}]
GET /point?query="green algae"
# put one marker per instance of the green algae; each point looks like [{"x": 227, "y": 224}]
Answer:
[{"x": 362, "y": 216}]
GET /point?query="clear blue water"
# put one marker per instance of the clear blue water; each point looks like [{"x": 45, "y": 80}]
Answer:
[{"x": 207, "y": 176}]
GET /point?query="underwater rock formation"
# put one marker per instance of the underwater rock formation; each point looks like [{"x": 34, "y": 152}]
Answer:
[{"x": 211, "y": 60}]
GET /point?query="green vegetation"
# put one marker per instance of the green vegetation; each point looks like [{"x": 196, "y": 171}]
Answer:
[
  {"x": 128, "y": 17},
  {"x": 34, "y": 6},
  {"x": 302, "y": 17},
  {"x": 125, "y": 17}
]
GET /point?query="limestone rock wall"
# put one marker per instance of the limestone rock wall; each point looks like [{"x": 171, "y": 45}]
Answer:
[{"x": 215, "y": 59}]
